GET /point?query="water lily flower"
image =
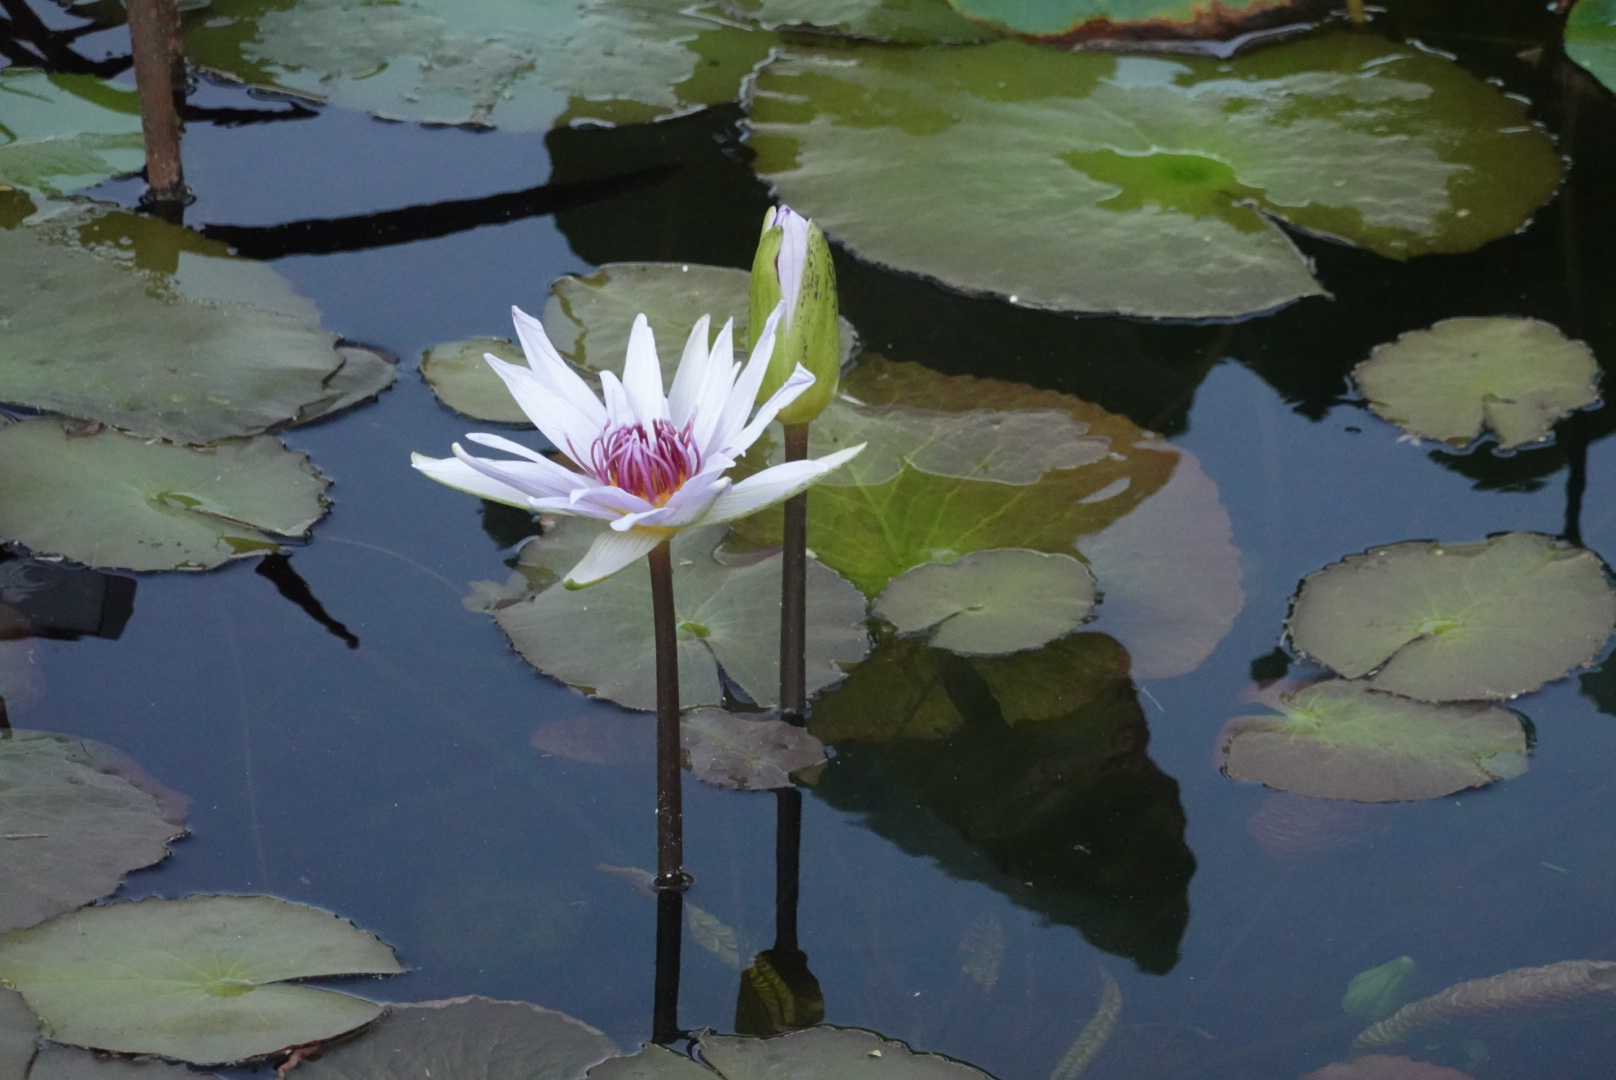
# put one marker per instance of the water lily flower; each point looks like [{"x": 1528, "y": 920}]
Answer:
[
  {"x": 793, "y": 267},
  {"x": 649, "y": 464}
]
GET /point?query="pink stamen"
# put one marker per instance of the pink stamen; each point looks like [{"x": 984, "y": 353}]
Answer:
[{"x": 651, "y": 465}]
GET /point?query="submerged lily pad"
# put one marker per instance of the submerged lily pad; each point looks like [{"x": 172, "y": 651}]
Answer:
[
  {"x": 600, "y": 639},
  {"x": 749, "y": 753},
  {"x": 125, "y": 319},
  {"x": 1448, "y": 622},
  {"x": 957, "y": 464},
  {"x": 1590, "y": 38},
  {"x": 72, "y": 825},
  {"x": 66, "y": 132},
  {"x": 1484, "y": 1002},
  {"x": 466, "y": 1037},
  {"x": 1140, "y": 185},
  {"x": 904, "y": 22},
  {"x": 1002, "y": 600},
  {"x": 199, "y": 979},
  {"x": 462, "y": 379},
  {"x": 1513, "y": 377},
  {"x": 1377, "y": 993},
  {"x": 519, "y": 65},
  {"x": 114, "y": 501},
  {"x": 1343, "y": 740}
]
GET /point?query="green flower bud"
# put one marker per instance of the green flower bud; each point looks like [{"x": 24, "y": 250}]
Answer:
[{"x": 793, "y": 264}]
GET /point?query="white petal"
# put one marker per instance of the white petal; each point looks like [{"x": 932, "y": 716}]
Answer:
[
  {"x": 687, "y": 505},
  {"x": 610, "y": 552},
  {"x": 568, "y": 430},
  {"x": 528, "y": 477},
  {"x": 774, "y": 485},
  {"x": 619, "y": 413},
  {"x": 463, "y": 477},
  {"x": 792, "y": 258},
  {"x": 564, "y": 505},
  {"x": 613, "y": 499},
  {"x": 708, "y": 410},
  {"x": 642, "y": 376},
  {"x": 543, "y": 359},
  {"x": 687, "y": 381},
  {"x": 801, "y": 379},
  {"x": 744, "y": 394},
  {"x": 500, "y": 442},
  {"x": 562, "y": 477}
]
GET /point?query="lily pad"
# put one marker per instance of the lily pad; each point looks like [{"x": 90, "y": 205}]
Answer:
[
  {"x": 1513, "y": 377},
  {"x": 127, "y": 320},
  {"x": 819, "y": 1053},
  {"x": 746, "y": 753},
  {"x": 19, "y": 1032},
  {"x": 70, "y": 1063},
  {"x": 462, "y": 379},
  {"x": 362, "y": 375},
  {"x": 519, "y": 65},
  {"x": 600, "y": 639},
  {"x": 904, "y": 22},
  {"x": 199, "y": 979},
  {"x": 1590, "y": 38},
  {"x": 72, "y": 824},
  {"x": 1343, "y": 740},
  {"x": 1078, "y": 20},
  {"x": 466, "y": 1037},
  {"x": 998, "y": 601},
  {"x": 1144, "y": 185},
  {"x": 1384, "y": 1067},
  {"x": 915, "y": 497},
  {"x": 66, "y": 132},
  {"x": 1447, "y": 622},
  {"x": 112, "y": 500}
]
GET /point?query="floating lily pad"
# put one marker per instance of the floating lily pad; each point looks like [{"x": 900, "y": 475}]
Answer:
[
  {"x": 125, "y": 319},
  {"x": 466, "y": 1037},
  {"x": 1343, "y": 740},
  {"x": 1384, "y": 1067},
  {"x": 746, "y": 753},
  {"x": 819, "y": 1053},
  {"x": 600, "y": 639},
  {"x": 1515, "y": 378},
  {"x": 519, "y": 65},
  {"x": 19, "y": 1032},
  {"x": 362, "y": 375},
  {"x": 66, "y": 132},
  {"x": 1077, "y": 20},
  {"x": 72, "y": 824},
  {"x": 652, "y": 1063},
  {"x": 199, "y": 979},
  {"x": 1446, "y": 622},
  {"x": 1002, "y": 600},
  {"x": 1020, "y": 468},
  {"x": 462, "y": 379},
  {"x": 69, "y": 1063},
  {"x": 1590, "y": 38},
  {"x": 112, "y": 500},
  {"x": 1140, "y": 185},
  {"x": 905, "y": 22}
]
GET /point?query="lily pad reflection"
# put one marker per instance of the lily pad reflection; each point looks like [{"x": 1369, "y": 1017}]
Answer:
[{"x": 65, "y": 132}]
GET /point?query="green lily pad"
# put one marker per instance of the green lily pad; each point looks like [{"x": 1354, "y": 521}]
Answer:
[
  {"x": 70, "y": 1063},
  {"x": 66, "y": 132},
  {"x": 19, "y": 1034},
  {"x": 1343, "y": 740},
  {"x": 519, "y": 65},
  {"x": 466, "y": 1037},
  {"x": 956, "y": 464},
  {"x": 462, "y": 379},
  {"x": 127, "y": 320},
  {"x": 819, "y": 1053},
  {"x": 1590, "y": 38},
  {"x": 600, "y": 639},
  {"x": 1375, "y": 994},
  {"x": 362, "y": 375},
  {"x": 1448, "y": 622},
  {"x": 112, "y": 500},
  {"x": 72, "y": 824},
  {"x": 904, "y": 22},
  {"x": 1144, "y": 185},
  {"x": 199, "y": 979},
  {"x": 1515, "y": 378},
  {"x": 998, "y": 601},
  {"x": 1077, "y": 20},
  {"x": 652, "y": 1063},
  {"x": 748, "y": 753}
]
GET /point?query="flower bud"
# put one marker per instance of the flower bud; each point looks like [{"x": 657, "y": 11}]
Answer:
[{"x": 793, "y": 265}]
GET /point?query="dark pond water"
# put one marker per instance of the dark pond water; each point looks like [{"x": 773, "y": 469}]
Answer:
[{"x": 394, "y": 781}]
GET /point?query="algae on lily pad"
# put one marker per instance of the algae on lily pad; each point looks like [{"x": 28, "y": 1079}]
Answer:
[
  {"x": 1071, "y": 21},
  {"x": 904, "y": 22},
  {"x": 200, "y": 979},
  {"x": 114, "y": 501},
  {"x": 72, "y": 824},
  {"x": 749, "y": 753},
  {"x": 1590, "y": 38},
  {"x": 1343, "y": 740},
  {"x": 127, "y": 320},
  {"x": 600, "y": 639},
  {"x": 462, "y": 379},
  {"x": 1144, "y": 185},
  {"x": 1001, "y": 600},
  {"x": 1449, "y": 622},
  {"x": 1515, "y": 378},
  {"x": 519, "y": 65},
  {"x": 65, "y": 132},
  {"x": 956, "y": 464},
  {"x": 465, "y": 1037}
]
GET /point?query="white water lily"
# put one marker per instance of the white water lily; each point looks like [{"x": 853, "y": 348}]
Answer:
[{"x": 649, "y": 464}]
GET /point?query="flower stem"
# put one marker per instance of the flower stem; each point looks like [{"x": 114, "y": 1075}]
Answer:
[
  {"x": 794, "y": 590},
  {"x": 670, "y": 930},
  {"x": 671, "y": 874},
  {"x": 159, "y": 78},
  {"x": 787, "y": 866},
  {"x": 1355, "y": 11}
]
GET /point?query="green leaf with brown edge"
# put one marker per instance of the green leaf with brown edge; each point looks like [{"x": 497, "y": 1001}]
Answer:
[
  {"x": 1139, "y": 185},
  {"x": 886, "y": 514},
  {"x": 1070, "y": 21}
]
